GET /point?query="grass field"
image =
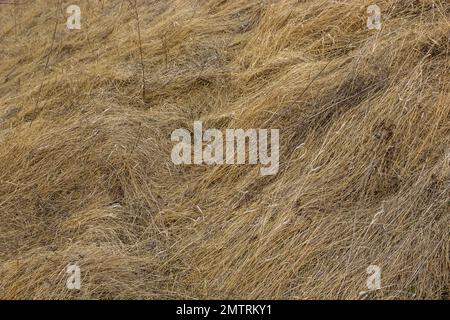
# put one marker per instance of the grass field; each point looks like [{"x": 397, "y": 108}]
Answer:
[{"x": 86, "y": 176}]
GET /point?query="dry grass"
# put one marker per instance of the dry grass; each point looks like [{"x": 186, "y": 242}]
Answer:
[{"x": 86, "y": 175}]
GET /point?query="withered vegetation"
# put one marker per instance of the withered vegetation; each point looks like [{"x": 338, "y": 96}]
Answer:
[{"x": 86, "y": 175}]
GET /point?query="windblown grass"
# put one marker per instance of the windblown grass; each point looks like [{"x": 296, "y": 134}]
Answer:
[{"x": 86, "y": 175}]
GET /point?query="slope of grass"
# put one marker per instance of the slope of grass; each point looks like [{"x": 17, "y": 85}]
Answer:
[{"x": 86, "y": 175}]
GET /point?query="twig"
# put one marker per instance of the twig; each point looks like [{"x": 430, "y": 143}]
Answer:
[{"x": 140, "y": 47}]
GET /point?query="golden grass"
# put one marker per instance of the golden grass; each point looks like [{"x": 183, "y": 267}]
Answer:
[{"x": 86, "y": 175}]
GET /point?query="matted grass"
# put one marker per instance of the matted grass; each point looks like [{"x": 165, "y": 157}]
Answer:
[{"x": 86, "y": 175}]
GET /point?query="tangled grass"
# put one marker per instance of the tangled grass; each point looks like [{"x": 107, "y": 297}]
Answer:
[{"x": 86, "y": 175}]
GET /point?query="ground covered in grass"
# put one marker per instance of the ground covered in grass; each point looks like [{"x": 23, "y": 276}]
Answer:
[{"x": 86, "y": 175}]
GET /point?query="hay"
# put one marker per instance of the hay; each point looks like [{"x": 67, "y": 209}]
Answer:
[{"x": 86, "y": 175}]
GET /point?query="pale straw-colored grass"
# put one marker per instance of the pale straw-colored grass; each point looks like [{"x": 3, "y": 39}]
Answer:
[{"x": 86, "y": 175}]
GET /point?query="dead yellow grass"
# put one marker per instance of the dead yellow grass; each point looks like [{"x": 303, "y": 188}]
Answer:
[{"x": 86, "y": 175}]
